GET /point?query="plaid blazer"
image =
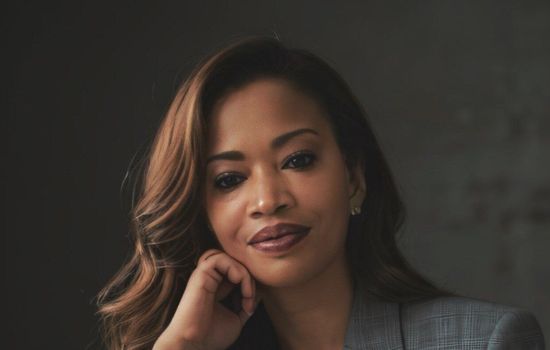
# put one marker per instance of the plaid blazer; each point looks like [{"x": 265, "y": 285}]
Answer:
[{"x": 440, "y": 323}]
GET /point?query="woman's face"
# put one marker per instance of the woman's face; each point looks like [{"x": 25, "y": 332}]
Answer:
[{"x": 301, "y": 179}]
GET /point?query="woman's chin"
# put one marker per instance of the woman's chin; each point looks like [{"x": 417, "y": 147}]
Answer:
[{"x": 281, "y": 275}]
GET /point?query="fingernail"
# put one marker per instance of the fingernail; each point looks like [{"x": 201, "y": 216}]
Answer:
[
  {"x": 253, "y": 309},
  {"x": 247, "y": 306}
]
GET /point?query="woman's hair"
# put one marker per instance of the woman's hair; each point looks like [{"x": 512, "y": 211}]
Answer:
[{"x": 168, "y": 224}]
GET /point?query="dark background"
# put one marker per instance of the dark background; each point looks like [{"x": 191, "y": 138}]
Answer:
[{"x": 458, "y": 91}]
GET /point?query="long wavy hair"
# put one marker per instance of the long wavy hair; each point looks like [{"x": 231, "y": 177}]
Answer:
[{"x": 168, "y": 224}]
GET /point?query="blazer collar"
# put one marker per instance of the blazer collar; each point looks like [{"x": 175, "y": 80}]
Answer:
[{"x": 373, "y": 324}]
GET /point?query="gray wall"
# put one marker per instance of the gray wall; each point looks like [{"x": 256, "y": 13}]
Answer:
[{"x": 458, "y": 91}]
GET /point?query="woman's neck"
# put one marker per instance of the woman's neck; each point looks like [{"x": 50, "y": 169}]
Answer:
[{"x": 313, "y": 315}]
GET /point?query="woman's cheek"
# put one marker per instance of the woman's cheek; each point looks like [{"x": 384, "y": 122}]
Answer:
[{"x": 228, "y": 219}]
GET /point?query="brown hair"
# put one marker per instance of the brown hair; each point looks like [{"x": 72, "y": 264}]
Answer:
[{"x": 169, "y": 230}]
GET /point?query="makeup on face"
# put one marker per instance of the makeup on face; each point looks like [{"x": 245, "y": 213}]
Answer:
[
  {"x": 278, "y": 238},
  {"x": 277, "y": 184}
]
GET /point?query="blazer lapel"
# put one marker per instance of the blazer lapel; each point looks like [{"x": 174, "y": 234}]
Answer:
[{"x": 373, "y": 324}]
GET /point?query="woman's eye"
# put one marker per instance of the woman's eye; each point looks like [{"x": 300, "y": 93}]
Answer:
[
  {"x": 300, "y": 160},
  {"x": 227, "y": 181}
]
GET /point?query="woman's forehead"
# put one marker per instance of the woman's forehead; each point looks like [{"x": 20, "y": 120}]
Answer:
[{"x": 264, "y": 108}]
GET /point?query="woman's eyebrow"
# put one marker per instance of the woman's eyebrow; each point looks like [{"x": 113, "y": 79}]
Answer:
[
  {"x": 280, "y": 140},
  {"x": 276, "y": 143}
]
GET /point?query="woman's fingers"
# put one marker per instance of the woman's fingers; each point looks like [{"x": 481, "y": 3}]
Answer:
[
  {"x": 224, "y": 289},
  {"x": 215, "y": 261},
  {"x": 208, "y": 253},
  {"x": 200, "y": 317}
]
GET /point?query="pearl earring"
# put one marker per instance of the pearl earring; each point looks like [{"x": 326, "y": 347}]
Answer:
[{"x": 355, "y": 211}]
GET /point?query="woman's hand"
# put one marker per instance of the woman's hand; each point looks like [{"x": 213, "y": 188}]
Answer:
[{"x": 201, "y": 322}]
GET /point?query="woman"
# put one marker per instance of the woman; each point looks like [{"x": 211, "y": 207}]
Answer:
[{"x": 267, "y": 219}]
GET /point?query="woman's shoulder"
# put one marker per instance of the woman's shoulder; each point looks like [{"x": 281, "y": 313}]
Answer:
[
  {"x": 458, "y": 321},
  {"x": 450, "y": 322},
  {"x": 457, "y": 306}
]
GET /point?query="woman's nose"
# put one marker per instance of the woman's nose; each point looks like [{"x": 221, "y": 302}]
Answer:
[{"x": 269, "y": 193}]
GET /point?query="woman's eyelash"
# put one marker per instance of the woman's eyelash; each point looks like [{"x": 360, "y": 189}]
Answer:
[
  {"x": 301, "y": 155},
  {"x": 223, "y": 178},
  {"x": 297, "y": 157}
]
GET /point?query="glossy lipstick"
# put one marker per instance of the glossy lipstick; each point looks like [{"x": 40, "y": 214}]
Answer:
[{"x": 278, "y": 238}]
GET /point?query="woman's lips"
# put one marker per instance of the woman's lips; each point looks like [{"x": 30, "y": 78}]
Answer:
[
  {"x": 280, "y": 244},
  {"x": 276, "y": 231}
]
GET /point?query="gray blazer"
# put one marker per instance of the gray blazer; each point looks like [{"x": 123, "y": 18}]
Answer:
[{"x": 440, "y": 323}]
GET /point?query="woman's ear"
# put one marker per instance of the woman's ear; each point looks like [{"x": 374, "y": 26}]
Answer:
[{"x": 357, "y": 184}]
